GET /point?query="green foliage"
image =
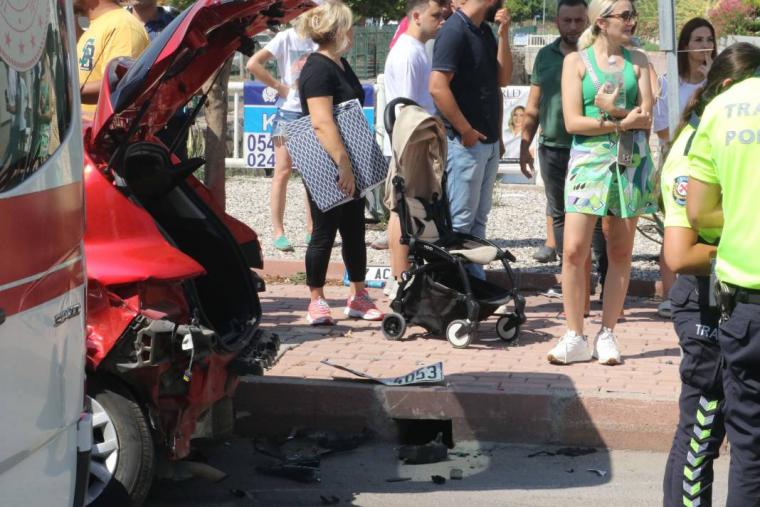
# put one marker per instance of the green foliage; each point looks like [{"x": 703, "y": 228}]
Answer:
[
  {"x": 525, "y": 10},
  {"x": 649, "y": 20},
  {"x": 387, "y": 9},
  {"x": 734, "y": 17}
]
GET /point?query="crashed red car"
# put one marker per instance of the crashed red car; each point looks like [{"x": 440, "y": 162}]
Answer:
[{"x": 172, "y": 306}]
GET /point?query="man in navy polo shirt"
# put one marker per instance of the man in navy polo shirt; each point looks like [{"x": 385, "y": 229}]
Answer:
[
  {"x": 154, "y": 17},
  {"x": 469, "y": 69}
]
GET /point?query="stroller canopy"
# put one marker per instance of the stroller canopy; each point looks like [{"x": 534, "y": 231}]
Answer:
[{"x": 419, "y": 154}]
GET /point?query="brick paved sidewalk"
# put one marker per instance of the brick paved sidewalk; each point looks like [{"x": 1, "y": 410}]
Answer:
[
  {"x": 492, "y": 391},
  {"x": 647, "y": 342}
]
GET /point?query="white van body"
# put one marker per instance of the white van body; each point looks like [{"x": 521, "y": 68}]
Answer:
[{"x": 44, "y": 431}]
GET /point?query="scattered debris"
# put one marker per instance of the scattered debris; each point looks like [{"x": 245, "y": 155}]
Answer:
[
  {"x": 456, "y": 474},
  {"x": 299, "y": 455},
  {"x": 398, "y": 479},
  {"x": 237, "y": 493},
  {"x": 438, "y": 479},
  {"x": 329, "y": 500},
  {"x": 459, "y": 454},
  {"x": 600, "y": 473},
  {"x": 306, "y": 472},
  {"x": 570, "y": 470},
  {"x": 432, "y": 452},
  {"x": 431, "y": 374},
  {"x": 572, "y": 452}
]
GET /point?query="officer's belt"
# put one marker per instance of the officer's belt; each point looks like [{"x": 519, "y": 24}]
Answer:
[{"x": 747, "y": 296}]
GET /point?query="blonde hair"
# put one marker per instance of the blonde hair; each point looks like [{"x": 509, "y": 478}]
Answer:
[
  {"x": 596, "y": 10},
  {"x": 328, "y": 23}
]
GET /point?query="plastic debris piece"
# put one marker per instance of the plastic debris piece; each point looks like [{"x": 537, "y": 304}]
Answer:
[
  {"x": 432, "y": 452},
  {"x": 305, "y": 472},
  {"x": 600, "y": 473},
  {"x": 572, "y": 452},
  {"x": 456, "y": 474},
  {"x": 329, "y": 500},
  {"x": 398, "y": 479},
  {"x": 438, "y": 479}
]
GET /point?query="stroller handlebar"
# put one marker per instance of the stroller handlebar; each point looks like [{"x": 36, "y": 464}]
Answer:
[{"x": 389, "y": 116}]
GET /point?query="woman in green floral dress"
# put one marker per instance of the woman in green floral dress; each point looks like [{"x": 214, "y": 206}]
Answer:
[{"x": 597, "y": 185}]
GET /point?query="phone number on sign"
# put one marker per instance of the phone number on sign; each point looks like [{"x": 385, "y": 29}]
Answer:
[{"x": 259, "y": 151}]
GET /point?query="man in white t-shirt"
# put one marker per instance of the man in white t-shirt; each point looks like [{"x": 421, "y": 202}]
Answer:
[
  {"x": 407, "y": 67},
  {"x": 290, "y": 50},
  {"x": 407, "y": 74}
]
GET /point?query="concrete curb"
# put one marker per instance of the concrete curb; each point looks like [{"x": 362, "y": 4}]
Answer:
[
  {"x": 527, "y": 281},
  {"x": 273, "y": 405}
]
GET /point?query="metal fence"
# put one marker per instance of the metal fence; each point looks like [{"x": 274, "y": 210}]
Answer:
[{"x": 370, "y": 49}]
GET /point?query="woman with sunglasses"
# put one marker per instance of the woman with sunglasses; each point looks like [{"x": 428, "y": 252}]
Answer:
[{"x": 602, "y": 179}]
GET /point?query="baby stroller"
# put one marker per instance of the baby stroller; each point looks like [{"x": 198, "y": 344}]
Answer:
[{"x": 437, "y": 292}]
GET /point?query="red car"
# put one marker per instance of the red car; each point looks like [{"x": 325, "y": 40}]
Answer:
[{"x": 172, "y": 306}]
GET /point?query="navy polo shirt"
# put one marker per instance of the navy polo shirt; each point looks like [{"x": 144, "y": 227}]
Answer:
[{"x": 469, "y": 52}]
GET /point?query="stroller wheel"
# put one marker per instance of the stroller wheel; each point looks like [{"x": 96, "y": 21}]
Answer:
[
  {"x": 459, "y": 333},
  {"x": 508, "y": 327},
  {"x": 393, "y": 326}
]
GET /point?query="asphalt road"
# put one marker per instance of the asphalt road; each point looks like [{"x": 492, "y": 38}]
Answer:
[{"x": 494, "y": 475}]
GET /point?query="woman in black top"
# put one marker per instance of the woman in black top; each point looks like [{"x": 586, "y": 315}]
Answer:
[{"x": 327, "y": 79}]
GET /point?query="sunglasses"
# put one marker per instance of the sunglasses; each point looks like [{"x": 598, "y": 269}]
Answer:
[{"x": 626, "y": 16}]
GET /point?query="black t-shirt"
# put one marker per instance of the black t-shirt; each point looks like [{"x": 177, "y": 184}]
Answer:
[
  {"x": 469, "y": 52},
  {"x": 322, "y": 77}
]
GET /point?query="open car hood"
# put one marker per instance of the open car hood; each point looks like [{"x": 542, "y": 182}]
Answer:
[{"x": 177, "y": 64}]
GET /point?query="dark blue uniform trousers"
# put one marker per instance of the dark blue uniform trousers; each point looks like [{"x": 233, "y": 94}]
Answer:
[
  {"x": 739, "y": 338},
  {"x": 700, "y": 431}
]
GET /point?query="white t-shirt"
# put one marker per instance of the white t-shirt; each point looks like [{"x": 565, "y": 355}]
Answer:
[
  {"x": 407, "y": 74},
  {"x": 291, "y": 52},
  {"x": 685, "y": 92}
]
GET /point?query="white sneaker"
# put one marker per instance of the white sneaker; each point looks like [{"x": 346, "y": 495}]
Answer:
[
  {"x": 571, "y": 348},
  {"x": 391, "y": 286},
  {"x": 605, "y": 348}
]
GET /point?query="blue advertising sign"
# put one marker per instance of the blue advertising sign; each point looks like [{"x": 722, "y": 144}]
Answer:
[{"x": 259, "y": 111}]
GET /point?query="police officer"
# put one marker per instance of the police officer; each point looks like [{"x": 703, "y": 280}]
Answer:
[
  {"x": 700, "y": 431},
  {"x": 724, "y": 185}
]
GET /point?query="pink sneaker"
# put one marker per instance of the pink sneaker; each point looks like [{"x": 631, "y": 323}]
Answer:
[
  {"x": 319, "y": 313},
  {"x": 362, "y": 307}
]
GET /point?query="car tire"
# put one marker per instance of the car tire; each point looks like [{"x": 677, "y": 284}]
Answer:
[{"x": 129, "y": 477}]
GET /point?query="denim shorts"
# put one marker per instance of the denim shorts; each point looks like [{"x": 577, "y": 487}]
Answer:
[{"x": 283, "y": 116}]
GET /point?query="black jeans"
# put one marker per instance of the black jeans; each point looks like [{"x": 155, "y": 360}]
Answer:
[
  {"x": 347, "y": 218},
  {"x": 739, "y": 339},
  {"x": 701, "y": 425},
  {"x": 553, "y": 165}
]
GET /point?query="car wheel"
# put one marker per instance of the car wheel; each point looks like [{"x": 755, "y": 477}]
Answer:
[{"x": 123, "y": 454}]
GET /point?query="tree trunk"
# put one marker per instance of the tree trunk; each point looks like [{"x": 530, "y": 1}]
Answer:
[{"x": 216, "y": 133}]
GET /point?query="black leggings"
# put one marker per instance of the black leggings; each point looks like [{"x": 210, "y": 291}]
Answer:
[{"x": 347, "y": 218}]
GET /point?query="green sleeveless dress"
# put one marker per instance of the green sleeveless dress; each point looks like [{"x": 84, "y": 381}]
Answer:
[{"x": 596, "y": 184}]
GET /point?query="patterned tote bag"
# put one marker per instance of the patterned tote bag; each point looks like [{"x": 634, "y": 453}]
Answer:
[{"x": 319, "y": 172}]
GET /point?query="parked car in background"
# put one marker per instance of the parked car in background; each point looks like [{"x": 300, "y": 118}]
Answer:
[
  {"x": 45, "y": 431},
  {"x": 172, "y": 305}
]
